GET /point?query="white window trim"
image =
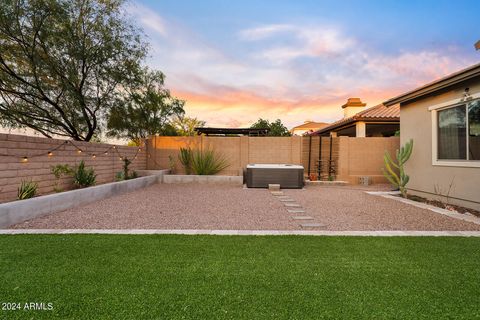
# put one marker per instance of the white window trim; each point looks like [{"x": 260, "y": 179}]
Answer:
[{"x": 449, "y": 163}]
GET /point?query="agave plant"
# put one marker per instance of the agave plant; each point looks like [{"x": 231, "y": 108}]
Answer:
[
  {"x": 394, "y": 171},
  {"x": 207, "y": 162},
  {"x": 185, "y": 158},
  {"x": 27, "y": 190}
]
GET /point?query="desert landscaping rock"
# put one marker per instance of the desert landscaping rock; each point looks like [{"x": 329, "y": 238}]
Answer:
[
  {"x": 287, "y": 200},
  {"x": 223, "y": 207},
  {"x": 277, "y": 193}
]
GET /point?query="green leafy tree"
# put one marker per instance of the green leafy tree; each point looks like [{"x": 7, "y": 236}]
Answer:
[
  {"x": 148, "y": 111},
  {"x": 63, "y": 64},
  {"x": 277, "y": 129},
  {"x": 185, "y": 126}
]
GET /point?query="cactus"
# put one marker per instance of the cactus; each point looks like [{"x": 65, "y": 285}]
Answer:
[{"x": 394, "y": 171}]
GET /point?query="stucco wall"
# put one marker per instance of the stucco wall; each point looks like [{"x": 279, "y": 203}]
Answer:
[{"x": 416, "y": 124}]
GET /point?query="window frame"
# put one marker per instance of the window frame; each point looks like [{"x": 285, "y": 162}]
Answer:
[{"x": 451, "y": 162}]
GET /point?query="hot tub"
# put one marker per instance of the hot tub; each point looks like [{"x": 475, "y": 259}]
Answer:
[{"x": 288, "y": 176}]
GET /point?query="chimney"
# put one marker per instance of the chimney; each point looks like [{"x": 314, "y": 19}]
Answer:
[
  {"x": 477, "y": 45},
  {"x": 352, "y": 107}
]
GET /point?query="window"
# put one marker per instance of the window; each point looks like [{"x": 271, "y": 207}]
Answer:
[{"x": 459, "y": 132}]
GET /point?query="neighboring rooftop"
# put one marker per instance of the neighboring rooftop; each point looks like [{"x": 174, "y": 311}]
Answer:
[
  {"x": 379, "y": 113},
  {"x": 308, "y": 127},
  {"x": 442, "y": 83}
]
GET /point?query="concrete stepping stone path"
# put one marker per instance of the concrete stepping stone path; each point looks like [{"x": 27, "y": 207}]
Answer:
[
  {"x": 306, "y": 222},
  {"x": 302, "y": 218},
  {"x": 312, "y": 225}
]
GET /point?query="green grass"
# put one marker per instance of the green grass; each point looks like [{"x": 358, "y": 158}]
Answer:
[{"x": 221, "y": 277}]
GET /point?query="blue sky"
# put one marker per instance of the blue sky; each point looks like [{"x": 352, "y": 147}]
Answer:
[{"x": 235, "y": 61}]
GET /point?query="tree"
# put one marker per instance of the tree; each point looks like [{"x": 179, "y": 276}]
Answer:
[
  {"x": 63, "y": 64},
  {"x": 148, "y": 110},
  {"x": 185, "y": 126},
  {"x": 277, "y": 129}
]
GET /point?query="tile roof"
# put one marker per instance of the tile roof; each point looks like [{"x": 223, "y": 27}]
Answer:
[{"x": 377, "y": 113}]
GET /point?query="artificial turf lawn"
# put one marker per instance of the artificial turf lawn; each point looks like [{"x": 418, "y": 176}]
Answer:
[{"x": 240, "y": 277}]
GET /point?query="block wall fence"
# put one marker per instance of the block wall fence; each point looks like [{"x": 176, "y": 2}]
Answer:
[
  {"x": 353, "y": 157},
  {"x": 38, "y": 168}
]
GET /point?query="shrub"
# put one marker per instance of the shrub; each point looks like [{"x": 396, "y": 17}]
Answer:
[
  {"x": 119, "y": 176},
  {"x": 83, "y": 177},
  {"x": 58, "y": 171},
  {"x": 185, "y": 158},
  {"x": 207, "y": 162},
  {"x": 27, "y": 190}
]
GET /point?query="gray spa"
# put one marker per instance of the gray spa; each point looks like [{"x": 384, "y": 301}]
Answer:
[{"x": 288, "y": 176}]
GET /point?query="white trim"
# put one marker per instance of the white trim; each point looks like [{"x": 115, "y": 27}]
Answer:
[
  {"x": 452, "y": 103},
  {"x": 449, "y": 163}
]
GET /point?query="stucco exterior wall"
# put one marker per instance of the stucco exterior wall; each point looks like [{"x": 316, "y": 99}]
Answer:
[{"x": 416, "y": 124}]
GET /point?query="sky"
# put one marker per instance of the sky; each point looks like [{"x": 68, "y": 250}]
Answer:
[{"x": 236, "y": 61}]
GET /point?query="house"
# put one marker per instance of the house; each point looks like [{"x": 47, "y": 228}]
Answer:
[
  {"x": 443, "y": 119},
  {"x": 308, "y": 127},
  {"x": 378, "y": 121}
]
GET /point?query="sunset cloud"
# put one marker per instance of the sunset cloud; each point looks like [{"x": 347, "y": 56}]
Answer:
[{"x": 289, "y": 71}]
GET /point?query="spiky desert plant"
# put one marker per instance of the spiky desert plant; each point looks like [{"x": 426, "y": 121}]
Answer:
[
  {"x": 27, "y": 190},
  {"x": 185, "y": 158},
  {"x": 394, "y": 171},
  {"x": 207, "y": 162}
]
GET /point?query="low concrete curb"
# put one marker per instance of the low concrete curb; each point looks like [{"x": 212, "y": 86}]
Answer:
[
  {"x": 176, "y": 178},
  {"x": 325, "y": 183},
  {"x": 248, "y": 232},
  {"x": 19, "y": 211},
  {"x": 451, "y": 214}
]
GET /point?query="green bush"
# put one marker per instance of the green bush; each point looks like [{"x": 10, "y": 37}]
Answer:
[
  {"x": 185, "y": 158},
  {"x": 83, "y": 177},
  {"x": 207, "y": 162},
  {"x": 58, "y": 171},
  {"x": 27, "y": 190}
]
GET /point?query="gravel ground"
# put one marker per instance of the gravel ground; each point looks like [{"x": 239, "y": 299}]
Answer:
[{"x": 173, "y": 206}]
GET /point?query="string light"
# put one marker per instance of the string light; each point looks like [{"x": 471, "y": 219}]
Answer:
[{"x": 50, "y": 153}]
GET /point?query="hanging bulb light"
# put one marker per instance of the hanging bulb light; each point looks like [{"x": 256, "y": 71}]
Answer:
[
  {"x": 25, "y": 159},
  {"x": 50, "y": 153},
  {"x": 94, "y": 156},
  {"x": 79, "y": 151}
]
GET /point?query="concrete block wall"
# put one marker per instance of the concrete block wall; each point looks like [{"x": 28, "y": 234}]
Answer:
[
  {"x": 239, "y": 151},
  {"x": 364, "y": 157},
  {"x": 38, "y": 168}
]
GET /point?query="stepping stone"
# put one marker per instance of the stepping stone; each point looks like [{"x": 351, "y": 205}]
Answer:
[
  {"x": 302, "y": 218},
  {"x": 289, "y": 204},
  {"x": 296, "y": 210},
  {"x": 277, "y": 193},
  {"x": 286, "y": 200},
  {"x": 274, "y": 187},
  {"x": 312, "y": 225}
]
